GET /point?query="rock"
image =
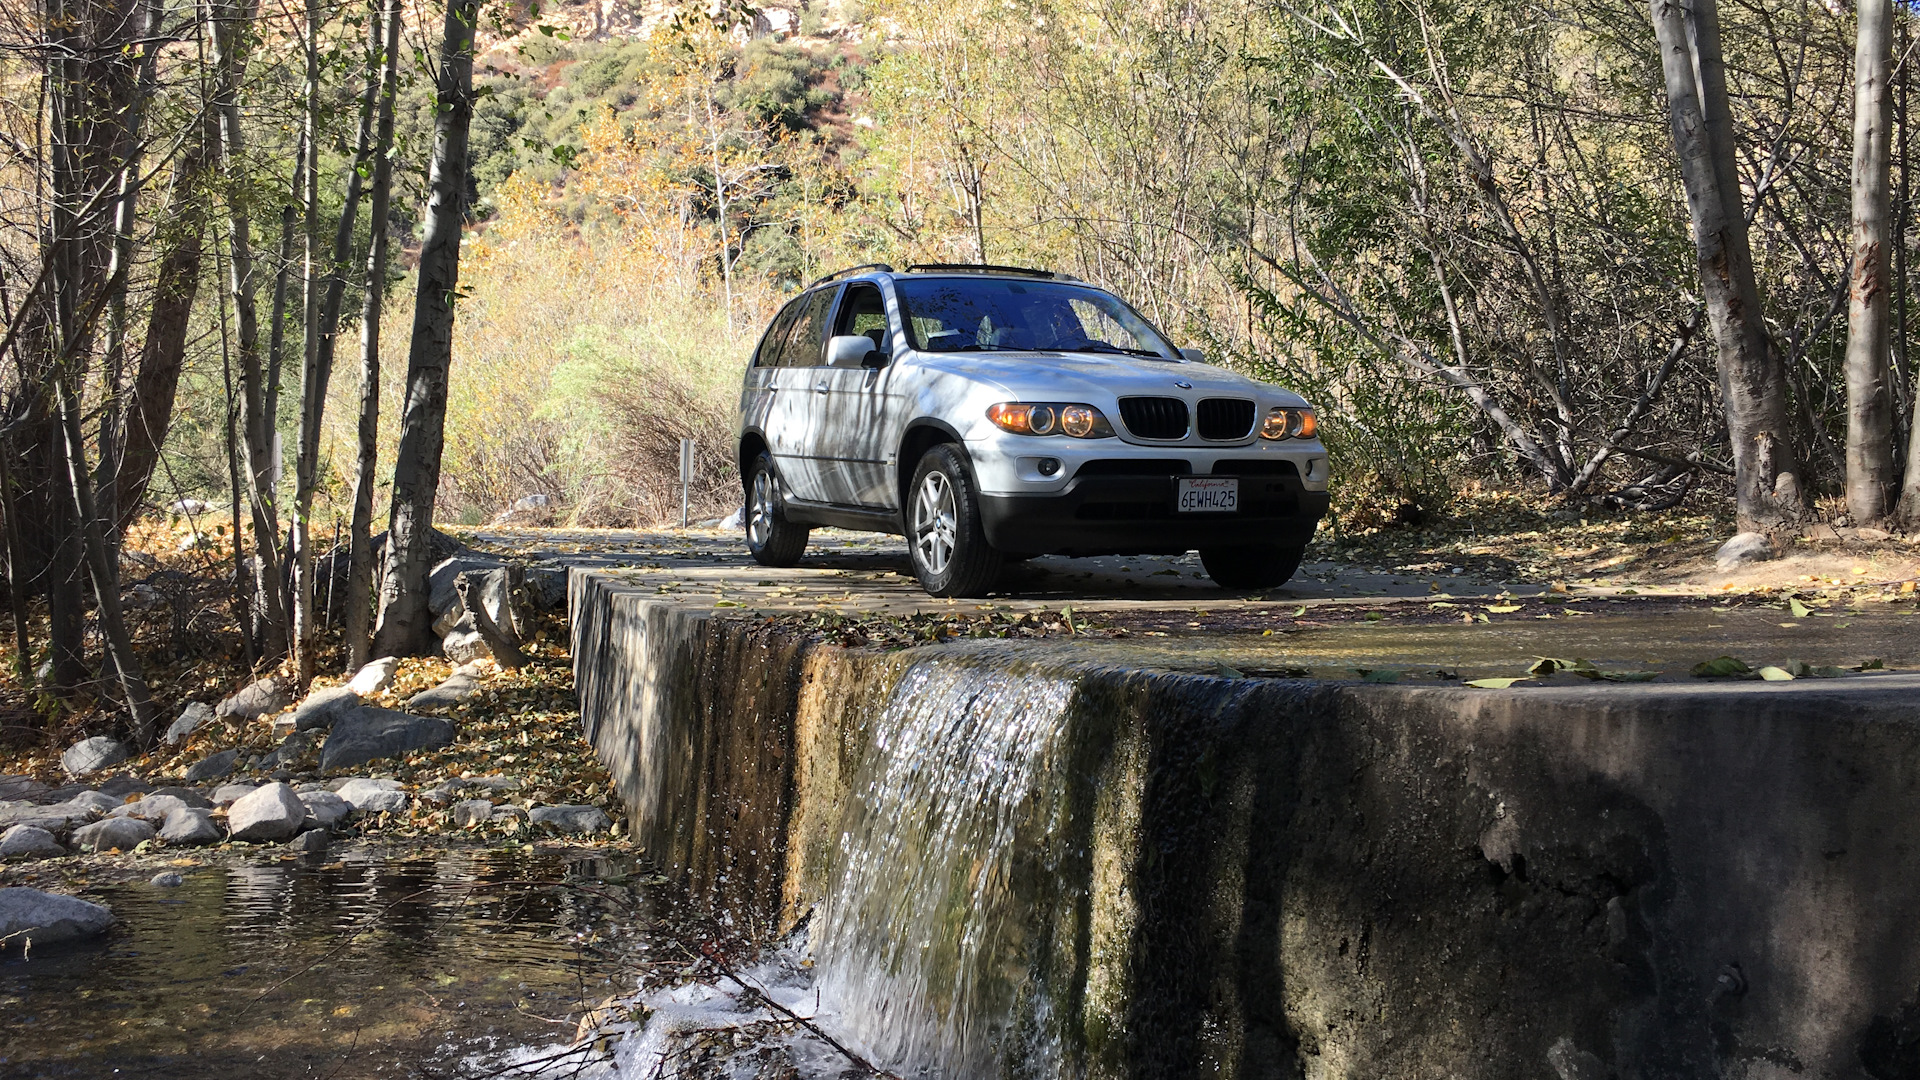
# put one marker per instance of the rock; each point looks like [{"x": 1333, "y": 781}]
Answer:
[
  {"x": 186, "y": 795},
  {"x": 21, "y": 787},
  {"x": 212, "y": 767},
  {"x": 29, "y": 842},
  {"x": 190, "y": 827},
  {"x": 471, "y": 812},
  {"x": 457, "y": 688},
  {"x": 373, "y": 796},
  {"x": 291, "y": 750},
  {"x": 1744, "y": 548},
  {"x": 55, "y": 819},
  {"x": 1871, "y": 534},
  {"x": 195, "y": 714},
  {"x": 152, "y": 808},
  {"x": 438, "y": 795},
  {"x": 571, "y": 819},
  {"x": 311, "y": 840},
  {"x": 322, "y": 707},
  {"x": 93, "y": 755},
  {"x": 325, "y": 809},
  {"x": 122, "y": 786},
  {"x": 375, "y": 677},
  {"x": 272, "y": 812},
  {"x": 463, "y": 645},
  {"x": 256, "y": 699},
  {"x": 547, "y": 586},
  {"x": 367, "y": 733},
  {"x": 98, "y": 801},
  {"x": 508, "y": 815},
  {"x": 228, "y": 794},
  {"x": 441, "y": 597},
  {"x": 125, "y": 833},
  {"x": 167, "y": 879},
  {"x": 33, "y": 918}
]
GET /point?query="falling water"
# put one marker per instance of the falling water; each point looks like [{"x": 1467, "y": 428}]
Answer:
[{"x": 921, "y": 948}]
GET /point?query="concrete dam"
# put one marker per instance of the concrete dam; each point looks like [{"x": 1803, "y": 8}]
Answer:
[{"x": 1061, "y": 859}]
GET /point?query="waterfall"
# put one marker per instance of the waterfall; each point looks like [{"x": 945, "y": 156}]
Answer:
[{"x": 922, "y": 948}]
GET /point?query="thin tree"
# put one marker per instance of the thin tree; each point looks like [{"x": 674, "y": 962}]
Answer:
[
  {"x": 313, "y": 373},
  {"x": 359, "y": 605},
  {"x": 1752, "y": 384},
  {"x": 406, "y": 623},
  {"x": 1871, "y": 479}
]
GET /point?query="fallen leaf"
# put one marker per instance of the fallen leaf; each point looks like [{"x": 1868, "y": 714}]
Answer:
[
  {"x": 1503, "y": 609},
  {"x": 1799, "y": 610},
  {"x": 1720, "y": 667},
  {"x": 1497, "y": 684},
  {"x": 1776, "y": 674}
]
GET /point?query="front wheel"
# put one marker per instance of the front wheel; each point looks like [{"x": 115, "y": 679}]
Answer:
[
  {"x": 951, "y": 556},
  {"x": 1255, "y": 566},
  {"x": 772, "y": 540}
]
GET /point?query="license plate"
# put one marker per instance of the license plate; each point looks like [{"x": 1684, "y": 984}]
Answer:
[{"x": 1206, "y": 494}]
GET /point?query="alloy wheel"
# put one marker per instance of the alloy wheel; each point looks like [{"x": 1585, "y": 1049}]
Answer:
[{"x": 935, "y": 525}]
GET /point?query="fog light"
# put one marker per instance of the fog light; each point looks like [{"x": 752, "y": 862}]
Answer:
[{"x": 1049, "y": 466}]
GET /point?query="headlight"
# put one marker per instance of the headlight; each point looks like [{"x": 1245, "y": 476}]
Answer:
[
  {"x": 1047, "y": 418},
  {"x": 1289, "y": 424}
]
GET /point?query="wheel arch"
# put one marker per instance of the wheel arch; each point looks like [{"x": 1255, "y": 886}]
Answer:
[
  {"x": 921, "y": 436},
  {"x": 752, "y": 445}
]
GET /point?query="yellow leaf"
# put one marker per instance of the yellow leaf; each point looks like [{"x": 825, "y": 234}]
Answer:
[
  {"x": 1496, "y": 684},
  {"x": 1775, "y": 674},
  {"x": 1503, "y": 609}
]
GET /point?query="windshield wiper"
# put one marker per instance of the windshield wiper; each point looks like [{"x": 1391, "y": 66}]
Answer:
[{"x": 1105, "y": 348}]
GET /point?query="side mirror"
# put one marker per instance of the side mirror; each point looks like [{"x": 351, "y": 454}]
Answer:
[
  {"x": 1195, "y": 355},
  {"x": 853, "y": 351}
]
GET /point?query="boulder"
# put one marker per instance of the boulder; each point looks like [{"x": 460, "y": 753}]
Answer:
[
  {"x": 325, "y": 809},
  {"x": 375, "y": 677},
  {"x": 212, "y": 767},
  {"x": 463, "y": 645},
  {"x": 191, "y": 718},
  {"x": 186, "y": 795},
  {"x": 367, "y": 733},
  {"x": 311, "y": 840},
  {"x": 98, "y": 801},
  {"x": 571, "y": 819},
  {"x": 272, "y": 812},
  {"x": 508, "y": 815},
  {"x": 55, "y": 819},
  {"x": 21, "y": 787},
  {"x": 471, "y": 812},
  {"x": 291, "y": 750},
  {"x": 373, "y": 796},
  {"x": 29, "y": 842},
  {"x": 1744, "y": 548},
  {"x": 441, "y": 597},
  {"x": 547, "y": 586},
  {"x": 190, "y": 827},
  {"x": 34, "y": 919},
  {"x": 457, "y": 688},
  {"x": 256, "y": 699},
  {"x": 228, "y": 794},
  {"x": 153, "y": 808},
  {"x": 167, "y": 879},
  {"x": 125, "y": 833},
  {"x": 93, "y": 755},
  {"x": 322, "y": 707}
]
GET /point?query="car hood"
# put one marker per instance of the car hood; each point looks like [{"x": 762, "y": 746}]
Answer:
[{"x": 1038, "y": 376}]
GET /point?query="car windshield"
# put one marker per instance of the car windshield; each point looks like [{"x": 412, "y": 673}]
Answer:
[{"x": 952, "y": 314}]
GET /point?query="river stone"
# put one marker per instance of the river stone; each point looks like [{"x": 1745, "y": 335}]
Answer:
[
  {"x": 367, "y": 733},
  {"x": 471, "y": 812},
  {"x": 212, "y": 767},
  {"x": 272, "y": 812},
  {"x": 373, "y": 796},
  {"x": 375, "y": 677},
  {"x": 457, "y": 688},
  {"x": 228, "y": 794},
  {"x": 167, "y": 879},
  {"x": 56, "y": 819},
  {"x": 190, "y": 827},
  {"x": 124, "y": 833},
  {"x": 93, "y": 755},
  {"x": 98, "y": 801},
  {"x": 195, "y": 714},
  {"x": 29, "y": 842},
  {"x": 185, "y": 794},
  {"x": 311, "y": 840},
  {"x": 154, "y": 808},
  {"x": 1744, "y": 548},
  {"x": 508, "y": 815},
  {"x": 323, "y": 707},
  {"x": 21, "y": 787},
  {"x": 256, "y": 699},
  {"x": 290, "y": 751},
  {"x": 35, "y": 918},
  {"x": 325, "y": 809},
  {"x": 571, "y": 819}
]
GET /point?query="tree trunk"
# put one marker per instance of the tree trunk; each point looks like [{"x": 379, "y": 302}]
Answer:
[
  {"x": 1752, "y": 384},
  {"x": 406, "y": 623},
  {"x": 1871, "y": 480},
  {"x": 359, "y": 606},
  {"x": 313, "y": 376}
]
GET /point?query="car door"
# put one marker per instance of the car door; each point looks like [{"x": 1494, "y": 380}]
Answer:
[
  {"x": 757, "y": 391},
  {"x": 795, "y": 416},
  {"x": 855, "y": 473}
]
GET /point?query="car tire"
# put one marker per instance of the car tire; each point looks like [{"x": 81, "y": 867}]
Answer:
[
  {"x": 772, "y": 540},
  {"x": 945, "y": 539},
  {"x": 1255, "y": 566}
]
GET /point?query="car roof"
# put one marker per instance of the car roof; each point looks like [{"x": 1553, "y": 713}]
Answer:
[{"x": 877, "y": 271}]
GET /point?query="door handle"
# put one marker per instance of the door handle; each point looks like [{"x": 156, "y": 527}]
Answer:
[{"x": 821, "y": 389}]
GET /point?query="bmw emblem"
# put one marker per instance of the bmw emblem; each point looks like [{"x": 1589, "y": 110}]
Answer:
[{"x": 1183, "y": 384}]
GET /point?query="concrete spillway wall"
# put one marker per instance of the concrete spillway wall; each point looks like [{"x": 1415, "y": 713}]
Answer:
[{"x": 1015, "y": 861}]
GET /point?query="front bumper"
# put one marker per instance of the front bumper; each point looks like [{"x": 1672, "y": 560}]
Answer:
[{"x": 1134, "y": 515}]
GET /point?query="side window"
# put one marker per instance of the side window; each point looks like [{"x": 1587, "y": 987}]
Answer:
[
  {"x": 768, "y": 354},
  {"x": 807, "y": 345},
  {"x": 862, "y": 311}
]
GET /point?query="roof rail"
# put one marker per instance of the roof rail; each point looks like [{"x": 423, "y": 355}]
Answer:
[
  {"x": 882, "y": 267},
  {"x": 989, "y": 268}
]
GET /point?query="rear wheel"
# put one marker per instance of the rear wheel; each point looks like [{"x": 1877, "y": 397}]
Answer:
[
  {"x": 771, "y": 538},
  {"x": 1255, "y": 566},
  {"x": 951, "y": 555}
]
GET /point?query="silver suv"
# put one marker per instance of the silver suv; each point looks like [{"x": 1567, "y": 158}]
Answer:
[{"x": 991, "y": 414}]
